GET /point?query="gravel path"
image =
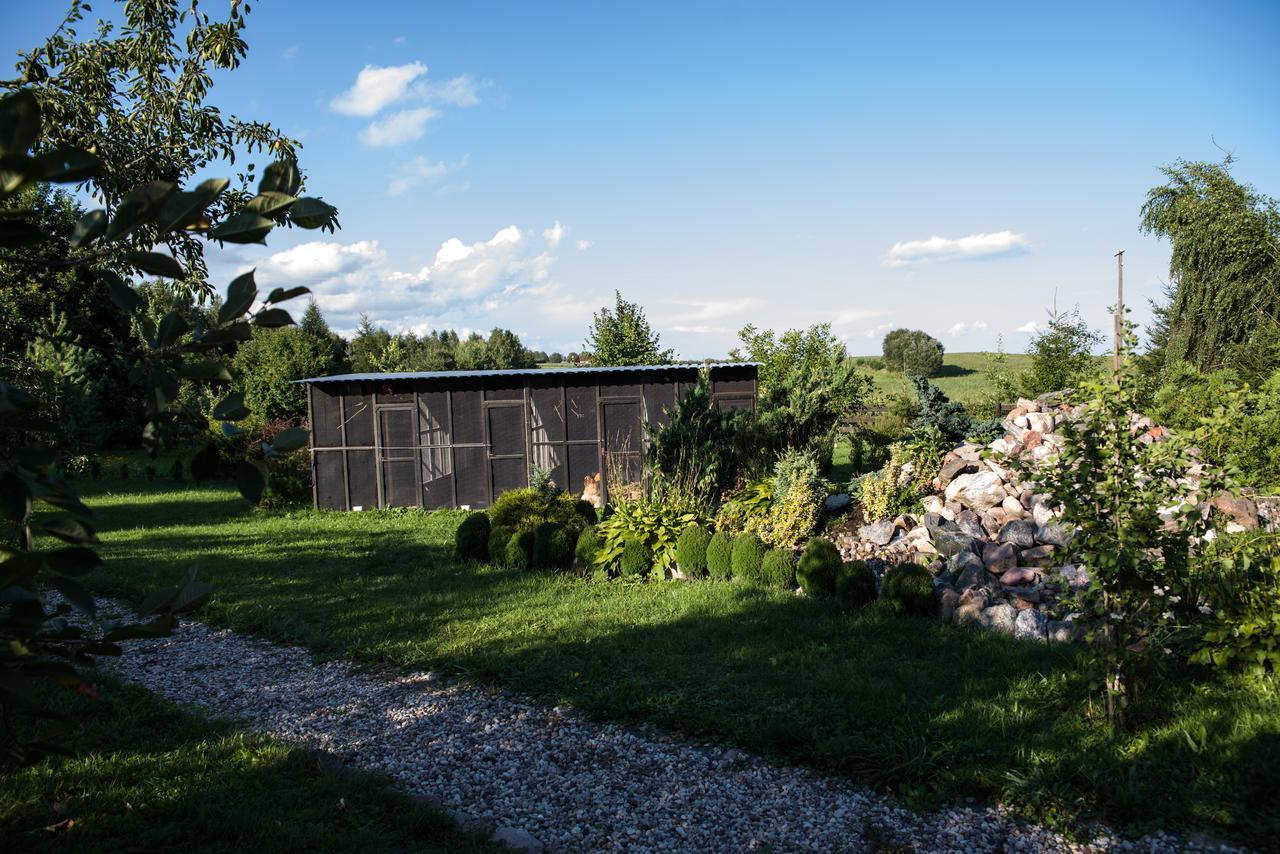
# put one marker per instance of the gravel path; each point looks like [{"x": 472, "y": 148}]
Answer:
[{"x": 568, "y": 782}]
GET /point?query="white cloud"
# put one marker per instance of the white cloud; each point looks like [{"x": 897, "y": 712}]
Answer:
[
  {"x": 554, "y": 234},
  {"x": 584, "y": 244},
  {"x": 974, "y": 247},
  {"x": 290, "y": 52},
  {"x": 461, "y": 91},
  {"x": 376, "y": 88},
  {"x": 1030, "y": 326},
  {"x": 875, "y": 331},
  {"x": 419, "y": 170},
  {"x": 398, "y": 128},
  {"x": 700, "y": 329},
  {"x": 962, "y": 327}
]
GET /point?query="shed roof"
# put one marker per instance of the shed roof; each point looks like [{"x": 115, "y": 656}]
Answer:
[{"x": 523, "y": 372}]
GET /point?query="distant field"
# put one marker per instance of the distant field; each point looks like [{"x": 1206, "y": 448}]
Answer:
[{"x": 964, "y": 376}]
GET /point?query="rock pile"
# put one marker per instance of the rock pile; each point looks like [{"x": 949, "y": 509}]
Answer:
[{"x": 997, "y": 548}]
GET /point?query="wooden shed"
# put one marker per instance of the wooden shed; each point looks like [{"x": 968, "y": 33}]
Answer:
[{"x": 460, "y": 438}]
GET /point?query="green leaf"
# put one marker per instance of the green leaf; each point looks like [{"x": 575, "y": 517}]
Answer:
[
  {"x": 140, "y": 205},
  {"x": 244, "y": 227},
  {"x": 156, "y": 263},
  {"x": 205, "y": 369},
  {"x": 290, "y": 440},
  {"x": 15, "y": 497},
  {"x": 250, "y": 480},
  {"x": 69, "y": 530},
  {"x": 240, "y": 296},
  {"x": 172, "y": 327},
  {"x": 272, "y": 318},
  {"x": 231, "y": 407},
  {"x": 67, "y": 165},
  {"x": 72, "y": 560},
  {"x": 19, "y": 122},
  {"x": 157, "y": 628},
  {"x": 89, "y": 228},
  {"x": 125, "y": 297},
  {"x": 278, "y": 295},
  {"x": 282, "y": 176},
  {"x": 270, "y": 203},
  {"x": 207, "y": 463},
  {"x": 308, "y": 212},
  {"x": 187, "y": 208},
  {"x": 74, "y": 593}
]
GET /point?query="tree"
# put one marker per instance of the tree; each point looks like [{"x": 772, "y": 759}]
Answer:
[
  {"x": 623, "y": 337},
  {"x": 807, "y": 385},
  {"x": 504, "y": 350},
  {"x": 368, "y": 346},
  {"x": 912, "y": 352},
  {"x": 136, "y": 96},
  {"x": 268, "y": 365},
  {"x": 1062, "y": 355},
  {"x": 1223, "y": 308}
]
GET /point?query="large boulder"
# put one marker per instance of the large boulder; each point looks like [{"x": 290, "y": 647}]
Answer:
[
  {"x": 1054, "y": 534},
  {"x": 1031, "y": 624},
  {"x": 1002, "y": 617},
  {"x": 1019, "y": 576},
  {"x": 953, "y": 468},
  {"x": 1038, "y": 555},
  {"x": 999, "y": 557},
  {"x": 1019, "y": 532},
  {"x": 878, "y": 533},
  {"x": 1239, "y": 510},
  {"x": 983, "y": 491},
  {"x": 951, "y": 542},
  {"x": 971, "y": 524},
  {"x": 955, "y": 489}
]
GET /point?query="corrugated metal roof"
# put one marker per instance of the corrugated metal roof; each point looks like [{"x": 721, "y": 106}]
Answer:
[{"x": 521, "y": 372}]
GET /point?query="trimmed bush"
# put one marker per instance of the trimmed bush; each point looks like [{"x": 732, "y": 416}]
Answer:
[
  {"x": 586, "y": 510},
  {"x": 499, "y": 536},
  {"x": 587, "y": 548},
  {"x": 720, "y": 556},
  {"x": 525, "y": 509},
  {"x": 748, "y": 557},
  {"x": 553, "y": 546},
  {"x": 691, "y": 551},
  {"x": 908, "y": 589},
  {"x": 520, "y": 550},
  {"x": 471, "y": 540},
  {"x": 856, "y": 584},
  {"x": 778, "y": 569},
  {"x": 636, "y": 559},
  {"x": 819, "y": 568}
]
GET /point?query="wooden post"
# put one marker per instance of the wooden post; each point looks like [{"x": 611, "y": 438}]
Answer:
[{"x": 1119, "y": 318}]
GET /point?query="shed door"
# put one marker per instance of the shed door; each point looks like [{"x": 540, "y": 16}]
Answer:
[
  {"x": 504, "y": 428},
  {"x": 397, "y": 457},
  {"x": 623, "y": 445}
]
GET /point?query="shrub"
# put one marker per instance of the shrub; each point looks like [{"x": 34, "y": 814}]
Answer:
[
  {"x": 553, "y": 546},
  {"x": 288, "y": 480},
  {"x": 856, "y": 584},
  {"x": 720, "y": 556},
  {"x": 499, "y": 536},
  {"x": 586, "y": 511},
  {"x": 1061, "y": 355},
  {"x": 752, "y": 502},
  {"x": 95, "y": 470},
  {"x": 912, "y": 352},
  {"x": 908, "y": 589},
  {"x": 175, "y": 470},
  {"x": 696, "y": 455},
  {"x": 819, "y": 568},
  {"x": 655, "y": 524},
  {"x": 123, "y": 471},
  {"x": 524, "y": 509},
  {"x": 691, "y": 551},
  {"x": 471, "y": 539},
  {"x": 748, "y": 556},
  {"x": 588, "y": 546},
  {"x": 778, "y": 569},
  {"x": 947, "y": 420},
  {"x": 795, "y": 512},
  {"x": 636, "y": 559},
  {"x": 519, "y": 551},
  {"x": 1242, "y": 629},
  {"x": 905, "y": 478}
]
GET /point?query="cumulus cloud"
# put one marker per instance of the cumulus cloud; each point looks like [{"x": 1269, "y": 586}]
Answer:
[
  {"x": 1030, "y": 326},
  {"x": 461, "y": 91},
  {"x": 974, "y": 247},
  {"x": 419, "y": 170},
  {"x": 398, "y": 128},
  {"x": 962, "y": 327},
  {"x": 584, "y": 244},
  {"x": 874, "y": 332},
  {"x": 376, "y": 88},
  {"x": 464, "y": 280},
  {"x": 554, "y": 234}
]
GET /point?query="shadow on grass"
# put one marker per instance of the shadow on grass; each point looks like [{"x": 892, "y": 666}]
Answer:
[{"x": 950, "y": 371}]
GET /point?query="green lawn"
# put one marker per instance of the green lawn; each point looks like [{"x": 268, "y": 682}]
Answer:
[
  {"x": 151, "y": 777},
  {"x": 921, "y": 709},
  {"x": 964, "y": 376}
]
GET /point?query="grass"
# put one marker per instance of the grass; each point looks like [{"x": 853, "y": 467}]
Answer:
[
  {"x": 964, "y": 376},
  {"x": 152, "y": 777},
  {"x": 920, "y": 709}
]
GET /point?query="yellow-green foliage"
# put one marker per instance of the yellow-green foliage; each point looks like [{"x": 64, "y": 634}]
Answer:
[
  {"x": 753, "y": 502},
  {"x": 791, "y": 520},
  {"x": 653, "y": 523},
  {"x": 905, "y": 479}
]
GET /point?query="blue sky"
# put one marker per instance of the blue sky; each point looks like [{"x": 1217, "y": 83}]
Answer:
[{"x": 939, "y": 166}]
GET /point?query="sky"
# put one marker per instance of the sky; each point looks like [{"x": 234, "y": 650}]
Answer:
[{"x": 955, "y": 168}]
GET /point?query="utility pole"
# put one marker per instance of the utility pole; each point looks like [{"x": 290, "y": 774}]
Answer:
[{"x": 1119, "y": 318}]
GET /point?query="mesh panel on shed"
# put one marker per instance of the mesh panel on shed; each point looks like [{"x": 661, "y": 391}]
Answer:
[
  {"x": 468, "y": 423},
  {"x": 552, "y": 458},
  {"x": 622, "y": 430},
  {"x": 359, "y": 419},
  {"x": 433, "y": 418},
  {"x": 512, "y": 392},
  {"x": 546, "y": 420},
  {"x": 396, "y": 428},
  {"x": 620, "y": 390},
  {"x": 330, "y": 493},
  {"x": 398, "y": 393},
  {"x": 399, "y": 486},
  {"x": 584, "y": 462},
  {"x": 506, "y": 430},
  {"x": 470, "y": 471},
  {"x": 362, "y": 480},
  {"x": 658, "y": 400},
  {"x": 508, "y": 474},
  {"x": 737, "y": 386},
  {"x": 326, "y": 418},
  {"x": 728, "y": 402},
  {"x": 581, "y": 413}
]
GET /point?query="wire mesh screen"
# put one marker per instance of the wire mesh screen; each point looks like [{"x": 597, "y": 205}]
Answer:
[
  {"x": 506, "y": 430},
  {"x": 508, "y": 474},
  {"x": 359, "y": 419},
  {"x": 326, "y": 418},
  {"x": 546, "y": 415},
  {"x": 362, "y": 480},
  {"x": 553, "y": 459},
  {"x": 470, "y": 473},
  {"x": 468, "y": 422},
  {"x": 580, "y": 413},
  {"x": 331, "y": 494},
  {"x": 506, "y": 392},
  {"x": 399, "y": 486},
  {"x": 396, "y": 431},
  {"x": 658, "y": 401}
]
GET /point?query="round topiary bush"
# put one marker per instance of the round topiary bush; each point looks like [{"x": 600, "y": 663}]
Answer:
[
  {"x": 908, "y": 589},
  {"x": 587, "y": 548},
  {"x": 819, "y": 568},
  {"x": 586, "y": 510},
  {"x": 520, "y": 550},
  {"x": 553, "y": 546},
  {"x": 691, "y": 551},
  {"x": 499, "y": 536},
  {"x": 471, "y": 540},
  {"x": 856, "y": 584},
  {"x": 778, "y": 568},
  {"x": 720, "y": 556},
  {"x": 748, "y": 557},
  {"x": 636, "y": 559}
]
